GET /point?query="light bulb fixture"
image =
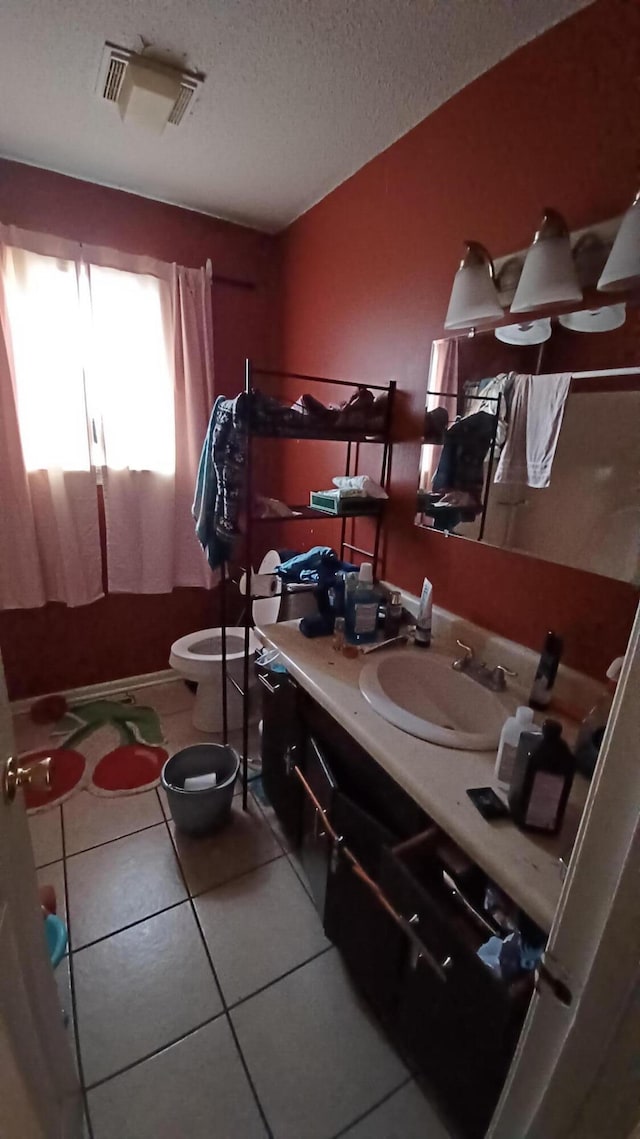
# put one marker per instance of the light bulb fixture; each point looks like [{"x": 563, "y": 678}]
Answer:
[
  {"x": 474, "y": 297},
  {"x": 595, "y": 319},
  {"x": 528, "y": 332},
  {"x": 622, "y": 270},
  {"x": 549, "y": 274}
]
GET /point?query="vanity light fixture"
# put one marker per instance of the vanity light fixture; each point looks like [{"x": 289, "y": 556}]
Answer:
[
  {"x": 622, "y": 270},
  {"x": 474, "y": 297},
  {"x": 549, "y": 274}
]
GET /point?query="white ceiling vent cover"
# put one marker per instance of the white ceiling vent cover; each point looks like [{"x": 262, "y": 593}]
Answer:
[{"x": 113, "y": 69}]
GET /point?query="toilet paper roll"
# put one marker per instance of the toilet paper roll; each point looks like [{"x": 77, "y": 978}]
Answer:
[{"x": 278, "y": 604}]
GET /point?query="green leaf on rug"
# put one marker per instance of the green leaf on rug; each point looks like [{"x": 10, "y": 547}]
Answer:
[{"x": 134, "y": 723}]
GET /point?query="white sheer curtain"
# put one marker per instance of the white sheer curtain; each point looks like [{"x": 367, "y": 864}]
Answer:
[
  {"x": 106, "y": 374},
  {"x": 49, "y": 535},
  {"x": 152, "y": 441}
]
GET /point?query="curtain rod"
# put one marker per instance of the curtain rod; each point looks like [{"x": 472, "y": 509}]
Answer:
[
  {"x": 605, "y": 372},
  {"x": 232, "y": 282}
]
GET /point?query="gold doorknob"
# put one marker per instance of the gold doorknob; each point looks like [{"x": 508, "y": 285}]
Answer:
[{"x": 14, "y": 776}]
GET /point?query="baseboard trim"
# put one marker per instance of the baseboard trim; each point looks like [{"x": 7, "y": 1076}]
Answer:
[{"x": 95, "y": 691}]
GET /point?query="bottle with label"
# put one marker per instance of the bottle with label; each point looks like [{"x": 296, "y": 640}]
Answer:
[
  {"x": 393, "y": 615},
  {"x": 546, "y": 672},
  {"x": 542, "y": 778},
  {"x": 362, "y": 608},
  {"x": 509, "y": 740}
]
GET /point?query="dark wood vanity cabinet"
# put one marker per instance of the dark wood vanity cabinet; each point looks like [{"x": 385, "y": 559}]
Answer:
[
  {"x": 282, "y": 742},
  {"x": 376, "y": 866}
]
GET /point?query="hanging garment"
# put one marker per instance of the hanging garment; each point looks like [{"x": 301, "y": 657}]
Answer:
[
  {"x": 535, "y": 419},
  {"x": 219, "y": 482},
  {"x": 465, "y": 447}
]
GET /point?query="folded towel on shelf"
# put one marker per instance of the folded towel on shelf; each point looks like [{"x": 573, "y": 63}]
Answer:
[
  {"x": 535, "y": 419},
  {"x": 360, "y": 483}
]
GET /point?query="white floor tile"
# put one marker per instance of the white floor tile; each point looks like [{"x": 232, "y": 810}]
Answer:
[
  {"x": 46, "y": 836},
  {"x": 405, "y": 1115},
  {"x": 122, "y": 882},
  {"x": 197, "y": 1089},
  {"x": 245, "y": 843},
  {"x": 92, "y": 819},
  {"x": 63, "y": 983},
  {"x": 317, "y": 1059},
  {"x": 140, "y": 990},
  {"x": 258, "y": 927}
]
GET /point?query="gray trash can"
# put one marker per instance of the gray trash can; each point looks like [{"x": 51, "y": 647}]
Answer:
[{"x": 200, "y": 812}]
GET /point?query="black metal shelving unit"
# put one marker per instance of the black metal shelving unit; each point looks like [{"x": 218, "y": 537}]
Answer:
[{"x": 353, "y": 441}]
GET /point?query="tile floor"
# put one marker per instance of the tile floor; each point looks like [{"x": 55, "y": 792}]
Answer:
[{"x": 203, "y": 997}]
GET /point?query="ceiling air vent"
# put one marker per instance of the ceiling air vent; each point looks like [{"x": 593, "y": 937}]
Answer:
[{"x": 113, "y": 70}]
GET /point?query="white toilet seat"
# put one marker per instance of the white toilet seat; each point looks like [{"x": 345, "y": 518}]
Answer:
[{"x": 197, "y": 655}]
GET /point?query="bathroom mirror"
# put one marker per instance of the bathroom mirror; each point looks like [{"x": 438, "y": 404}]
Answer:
[{"x": 531, "y": 439}]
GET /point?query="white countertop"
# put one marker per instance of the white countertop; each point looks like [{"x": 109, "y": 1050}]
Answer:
[{"x": 525, "y": 866}]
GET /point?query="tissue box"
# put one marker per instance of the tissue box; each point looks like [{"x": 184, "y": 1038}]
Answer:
[{"x": 344, "y": 504}]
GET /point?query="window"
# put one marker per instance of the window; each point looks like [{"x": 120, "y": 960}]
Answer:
[{"x": 92, "y": 365}]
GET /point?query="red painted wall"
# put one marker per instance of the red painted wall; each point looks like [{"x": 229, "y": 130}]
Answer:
[
  {"x": 48, "y": 649},
  {"x": 367, "y": 274}
]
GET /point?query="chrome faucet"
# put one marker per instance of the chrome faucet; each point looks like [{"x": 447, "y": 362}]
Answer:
[{"x": 492, "y": 678}]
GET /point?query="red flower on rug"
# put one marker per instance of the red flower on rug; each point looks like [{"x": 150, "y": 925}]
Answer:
[
  {"x": 67, "y": 774},
  {"x": 132, "y": 767}
]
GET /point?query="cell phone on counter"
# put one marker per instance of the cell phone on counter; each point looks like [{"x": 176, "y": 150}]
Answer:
[{"x": 488, "y": 803}]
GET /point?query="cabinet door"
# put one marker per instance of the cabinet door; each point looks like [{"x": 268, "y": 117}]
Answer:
[
  {"x": 281, "y": 741},
  {"x": 370, "y": 942},
  {"x": 460, "y": 1027},
  {"x": 318, "y": 790}
]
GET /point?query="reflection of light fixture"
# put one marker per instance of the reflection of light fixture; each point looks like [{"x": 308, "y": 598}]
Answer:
[
  {"x": 622, "y": 269},
  {"x": 549, "y": 275},
  {"x": 529, "y": 332},
  {"x": 474, "y": 299},
  {"x": 594, "y": 320}
]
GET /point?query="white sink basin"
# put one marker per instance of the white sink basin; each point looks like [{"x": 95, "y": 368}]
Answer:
[{"x": 420, "y": 693}]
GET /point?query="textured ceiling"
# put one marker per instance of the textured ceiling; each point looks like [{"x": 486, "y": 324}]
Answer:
[{"x": 299, "y": 93}]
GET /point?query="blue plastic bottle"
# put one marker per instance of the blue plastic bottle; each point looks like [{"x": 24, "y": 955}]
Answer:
[{"x": 362, "y": 608}]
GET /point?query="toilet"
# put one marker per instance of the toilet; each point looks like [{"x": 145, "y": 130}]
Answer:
[{"x": 198, "y": 656}]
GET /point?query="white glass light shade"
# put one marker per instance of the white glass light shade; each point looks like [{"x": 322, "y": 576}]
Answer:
[
  {"x": 622, "y": 270},
  {"x": 549, "y": 274},
  {"x": 594, "y": 320},
  {"x": 529, "y": 332},
  {"x": 474, "y": 298}
]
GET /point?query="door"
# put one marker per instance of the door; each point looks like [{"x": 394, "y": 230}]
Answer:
[
  {"x": 576, "y": 1071},
  {"x": 40, "y": 1097}
]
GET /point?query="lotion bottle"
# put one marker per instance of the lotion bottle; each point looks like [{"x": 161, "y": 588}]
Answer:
[
  {"x": 422, "y": 634},
  {"x": 509, "y": 740}
]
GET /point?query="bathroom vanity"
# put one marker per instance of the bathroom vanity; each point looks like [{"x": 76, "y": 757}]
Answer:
[{"x": 385, "y": 833}]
